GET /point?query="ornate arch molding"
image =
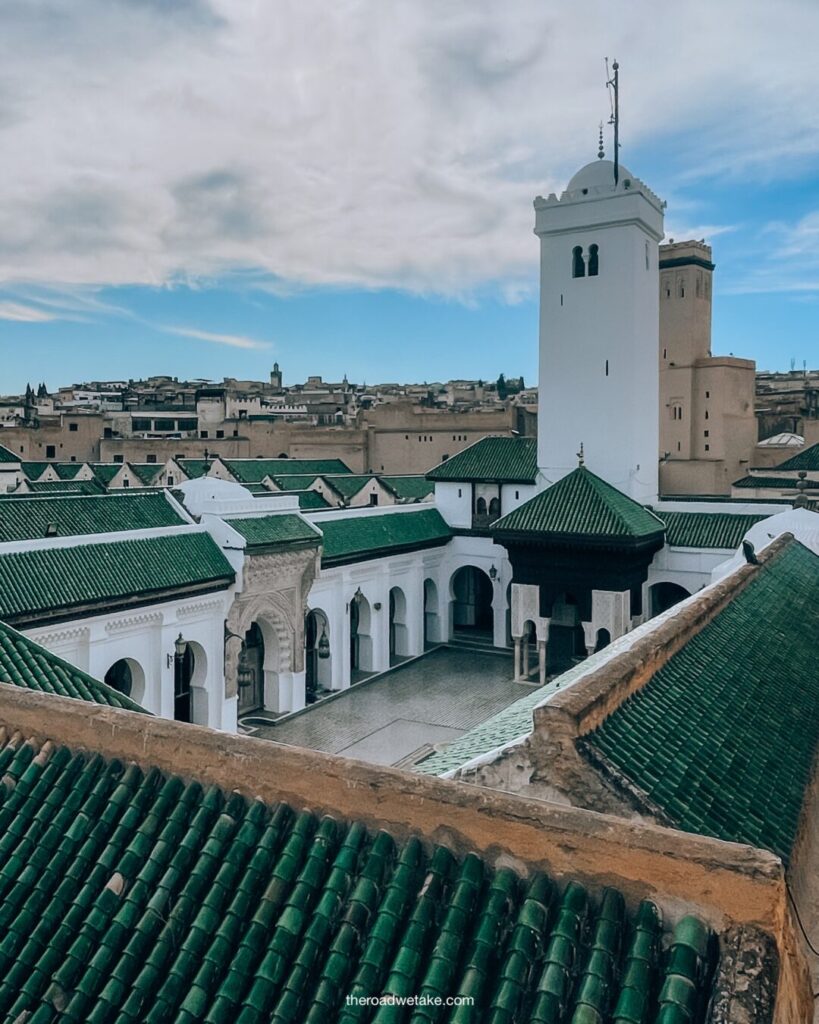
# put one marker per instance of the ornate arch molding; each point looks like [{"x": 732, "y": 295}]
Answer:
[{"x": 277, "y": 614}]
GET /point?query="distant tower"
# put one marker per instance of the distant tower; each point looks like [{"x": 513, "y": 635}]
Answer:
[
  {"x": 599, "y": 328},
  {"x": 276, "y": 377}
]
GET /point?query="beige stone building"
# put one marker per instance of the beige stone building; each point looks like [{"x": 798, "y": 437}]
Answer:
[{"x": 707, "y": 422}]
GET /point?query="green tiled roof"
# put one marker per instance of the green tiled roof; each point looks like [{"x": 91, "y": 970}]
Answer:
[
  {"x": 8, "y": 456},
  {"x": 581, "y": 504},
  {"x": 106, "y": 471},
  {"x": 49, "y": 579},
  {"x": 64, "y": 487},
  {"x": 27, "y": 518},
  {"x": 310, "y": 500},
  {"x": 505, "y": 459},
  {"x": 706, "y": 529},
  {"x": 24, "y": 663},
  {"x": 145, "y": 471},
  {"x": 64, "y": 470},
  {"x": 255, "y": 470},
  {"x": 297, "y": 482},
  {"x": 348, "y": 484},
  {"x": 67, "y": 470},
  {"x": 777, "y": 483},
  {"x": 133, "y": 895},
  {"x": 722, "y": 739},
  {"x": 807, "y": 459},
  {"x": 284, "y": 528},
  {"x": 194, "y": 468},
  {"x": 357, "y": 537},
  {"x": 408, "y": 488}
]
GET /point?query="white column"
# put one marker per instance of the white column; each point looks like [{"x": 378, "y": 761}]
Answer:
[{"x": 517, "y": 641}]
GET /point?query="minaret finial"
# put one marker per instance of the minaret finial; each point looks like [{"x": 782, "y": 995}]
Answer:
[
  {"x": 600, "y": 151},
  {"x": 581, "y": 461}
]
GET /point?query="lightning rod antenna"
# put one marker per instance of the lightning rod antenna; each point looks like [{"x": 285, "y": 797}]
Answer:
[{"x": 613, "y": 84}]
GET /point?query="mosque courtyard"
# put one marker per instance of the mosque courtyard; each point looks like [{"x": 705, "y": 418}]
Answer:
[{"x": 398, "y": 717}]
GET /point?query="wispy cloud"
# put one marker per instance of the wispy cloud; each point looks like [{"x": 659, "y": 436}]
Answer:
[
  {"x": 25, "y": 314},
  {"x": 232, "y": 340}
]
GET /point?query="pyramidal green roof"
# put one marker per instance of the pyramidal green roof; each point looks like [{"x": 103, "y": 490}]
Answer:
[
  {"x": 581, "y": 505},
  {"x": 723, "y": 737},
  {"x": 27, "y": 664},
  {"x": 501, "y": 459},
  {"x": 29, "y": 517}
]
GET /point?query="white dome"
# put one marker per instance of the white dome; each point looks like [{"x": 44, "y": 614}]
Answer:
[
  {"x": 597, "y": 174},
  {"x": 207, "y": 493},
  {"x": 786, "y": 440}
]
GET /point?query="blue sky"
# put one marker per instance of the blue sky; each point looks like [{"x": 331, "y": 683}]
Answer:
[{"x": 199, "y": 190}]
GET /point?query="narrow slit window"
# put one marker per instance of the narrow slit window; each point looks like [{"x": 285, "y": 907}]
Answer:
[{"x": 607, "y": 367}]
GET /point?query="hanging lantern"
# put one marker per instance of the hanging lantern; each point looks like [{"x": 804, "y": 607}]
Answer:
[
  {"x": 180, "y": 645},
  {"x": 246, "y": 673},
  {"x": 323, "y": 645}
]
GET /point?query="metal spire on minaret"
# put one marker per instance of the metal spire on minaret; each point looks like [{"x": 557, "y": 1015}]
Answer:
[
  {"x": 613, "y": 84},
  {"x": 600, "y": 150}
]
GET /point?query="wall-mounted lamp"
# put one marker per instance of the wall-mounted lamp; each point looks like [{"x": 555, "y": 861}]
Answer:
[
  {"x": 493, "y": 573},
  {"x": 377, "y": 606},
  {"x": 180, "y": 645}
]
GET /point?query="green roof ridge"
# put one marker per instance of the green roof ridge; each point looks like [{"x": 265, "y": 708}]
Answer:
[{"x": 354, "y": 537}]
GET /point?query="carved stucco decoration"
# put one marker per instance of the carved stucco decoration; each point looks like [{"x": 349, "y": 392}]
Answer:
[{"x": 275, "y": 592}]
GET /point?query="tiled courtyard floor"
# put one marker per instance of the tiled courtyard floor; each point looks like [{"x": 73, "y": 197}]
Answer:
[{"x": 431, "y": 700}]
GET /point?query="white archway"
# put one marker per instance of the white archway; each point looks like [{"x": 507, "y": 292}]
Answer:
[
  {"x": 318, "y": 662},
  {"x": 361, "y": 640},
  {"x": 398, "y": 646},
  {"x": 200, "y": 697},
  {"x": 127, "y": 676},
  {"x": 432, "y": 616},
  {"x": 471, "y": 597}
]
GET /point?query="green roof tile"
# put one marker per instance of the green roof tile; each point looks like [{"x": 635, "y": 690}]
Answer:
[
  {"x": 504, "y": 459},
  {"x": 44, "y": 580},
  {"x": 723, "y": 737},
  {"x": 346, "y": 484},
  {"x": 106, "y": 471},
  {"x": 408, "y": 488},
  {"x": 146, "y": 471},
  {"x": 706, "y": 529},
  {"x": 774, "y": 483},
  {"x": 297, "y": 482},
  {"x": 30, "y": 517},
  {"x": 8, "y": 456},
  {"x": 154, "y": 899},
  {"x": 357, "y": 537},
  {"x": 255, "y": 470},
  {"x": 807, "y": 459},
  {"x": 581, "y": 505},
  {"x": 55, "y": 487},
  {"x": 282, "y": 528},
  {"x": 308, "y": 500},
  {"x": 27, "y": 664}
]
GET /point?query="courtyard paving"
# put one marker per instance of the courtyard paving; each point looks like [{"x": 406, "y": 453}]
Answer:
[{"x": 431, "y": 700}]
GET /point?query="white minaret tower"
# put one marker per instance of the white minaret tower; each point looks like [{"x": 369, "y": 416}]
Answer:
[{"x": 599, "y": 328}]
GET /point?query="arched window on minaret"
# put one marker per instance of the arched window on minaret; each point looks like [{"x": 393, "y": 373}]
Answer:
[
  {"x": 578, "y": 266},
  {"x": 594, "y": 260}
]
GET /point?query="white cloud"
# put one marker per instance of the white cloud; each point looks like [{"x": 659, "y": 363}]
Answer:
[
  {"x": 233, "y": 340},
  {"x": 363, "y": 143},
  {"x": 24, "y": 314}
]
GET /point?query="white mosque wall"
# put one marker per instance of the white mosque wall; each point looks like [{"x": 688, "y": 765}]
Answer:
[{"x": 145, "y": 636}]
